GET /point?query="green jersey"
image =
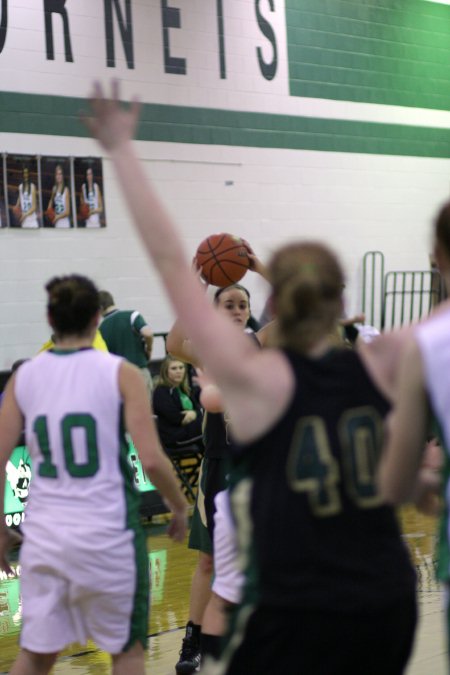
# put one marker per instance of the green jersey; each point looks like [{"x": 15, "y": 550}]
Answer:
[{"x": 121, "y": 330}]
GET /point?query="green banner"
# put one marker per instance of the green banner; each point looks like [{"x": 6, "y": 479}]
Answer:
[{"x": 19, "y": 475}]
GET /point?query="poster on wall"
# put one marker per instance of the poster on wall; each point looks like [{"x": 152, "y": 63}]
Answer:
[
  {"x": 17, "y": 485},
  {"x": 88, "y": 176},
  {"x": 55, "y": 190},
  {"x": 3, "y": 212},
  {"x": 24, "y": 205}
]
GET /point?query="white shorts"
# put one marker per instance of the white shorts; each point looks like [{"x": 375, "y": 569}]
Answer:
[
  {"x": 78, "y": 585},
  {"x": 93, "y": 221},
  {"x": 30, "y": 222},
  {"x": 228, "y": 579},
  {"x": 63, "y": 222}
]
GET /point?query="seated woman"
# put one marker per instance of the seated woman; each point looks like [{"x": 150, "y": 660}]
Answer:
[{"x": 179, "y": 415}]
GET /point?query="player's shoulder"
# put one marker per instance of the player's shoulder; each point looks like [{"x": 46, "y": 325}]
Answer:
[
  {"x": 36, "y": 364},
  {"x": 102, "y": 356},
  {"x": 439, "y": 317},
  {"x": 123, "y": 313},
  {"x": 104, "y": 364}
]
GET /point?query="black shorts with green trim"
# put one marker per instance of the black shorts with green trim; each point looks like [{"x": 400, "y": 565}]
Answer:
[{"x": 212, "y": 479}]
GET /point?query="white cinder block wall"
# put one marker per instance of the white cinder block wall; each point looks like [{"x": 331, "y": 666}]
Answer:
[{"x": 285, "y": 119}]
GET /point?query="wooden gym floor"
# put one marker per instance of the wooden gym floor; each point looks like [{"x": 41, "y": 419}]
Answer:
[{"x": 172, "y": 568}]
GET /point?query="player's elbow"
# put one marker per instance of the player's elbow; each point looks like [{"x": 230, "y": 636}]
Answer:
[
  {"x": 154, "y": 463},
  {"x": 151, "y": 468}
]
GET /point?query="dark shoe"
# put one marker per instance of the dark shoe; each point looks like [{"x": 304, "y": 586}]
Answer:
[{"x": 189, "y": 661}]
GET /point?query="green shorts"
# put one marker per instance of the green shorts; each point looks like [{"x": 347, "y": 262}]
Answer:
[{"x": 212, "y": 479}]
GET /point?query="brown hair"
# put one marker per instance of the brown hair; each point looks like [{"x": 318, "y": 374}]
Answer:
[
  {"x": 105, "y": 299},
  {"x": 307, "y": 282},
  {"x": 165, "y": 381},
  {"x": 72, "y": 304},
  {"x": 225, "y": 289},
  {"x": 442, "y": 228}
]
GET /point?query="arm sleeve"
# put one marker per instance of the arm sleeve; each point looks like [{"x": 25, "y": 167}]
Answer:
[{"x": 137, "y": 321}]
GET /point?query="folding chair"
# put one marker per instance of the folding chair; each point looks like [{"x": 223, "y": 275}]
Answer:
[{"x": 186, "y": 460}]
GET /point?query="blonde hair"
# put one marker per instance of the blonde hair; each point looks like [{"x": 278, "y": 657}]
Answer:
[
  {"x": 164, "y": 380},
  {"x": 307, "y": 282}
]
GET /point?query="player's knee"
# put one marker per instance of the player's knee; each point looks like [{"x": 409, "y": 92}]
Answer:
[
  {"x": 220, "y": 603},
  {"x": 40, "y": 663},
  {"x": 130, "y": 662}
]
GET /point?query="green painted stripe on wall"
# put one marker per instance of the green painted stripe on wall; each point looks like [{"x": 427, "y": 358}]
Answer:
[
  {"x": 373, "y": 51},
  {"x": 52, "y": 115}
]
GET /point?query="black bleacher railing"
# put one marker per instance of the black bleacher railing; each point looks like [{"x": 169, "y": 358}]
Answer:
[{"x": 186, "y": 462}]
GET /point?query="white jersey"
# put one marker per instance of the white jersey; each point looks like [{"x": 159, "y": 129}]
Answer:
[
  {"x": 72, "y": 407},
  {"x": 433, "y": 338},
  {"x": 91, "y": 199},
  {"x": 59, "y": 204},
  {"x": 26, "y": 203}
]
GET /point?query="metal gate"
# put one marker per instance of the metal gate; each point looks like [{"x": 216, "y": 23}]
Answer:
[{"x": 397, "y": 298}]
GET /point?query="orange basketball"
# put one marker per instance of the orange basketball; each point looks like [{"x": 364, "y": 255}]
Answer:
[
  {"x": 223, "y": 259},
  {"x": 17, "y": 212},
  {"x": 50, "y": 215},
  {"x": 84, "y": 211}
]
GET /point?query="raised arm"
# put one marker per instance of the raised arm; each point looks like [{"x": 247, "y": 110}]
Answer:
[
  {"x": 231, "y": 358},
  {"x": 179, "y": 346}
]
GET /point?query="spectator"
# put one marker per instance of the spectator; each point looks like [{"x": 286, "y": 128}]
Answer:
[
  {"x": 127, "y": 334},
  {"x": 179, "y": 414}
]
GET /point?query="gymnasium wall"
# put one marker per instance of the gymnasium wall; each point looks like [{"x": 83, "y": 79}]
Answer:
[{"x": 271, "y": 119}]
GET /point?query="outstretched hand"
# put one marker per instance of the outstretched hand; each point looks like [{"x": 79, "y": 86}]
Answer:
[
  {"x": 257, "y": 266},
  {"x": 210, "y": 396},
  {"x": 109, "y": 122},
  {"x": 197, "y": 271},
  {"x": 178, "y": 527},
  {"x": 255, "y": 263}
]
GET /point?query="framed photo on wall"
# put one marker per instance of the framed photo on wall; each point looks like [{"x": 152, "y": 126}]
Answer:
[
  {"x": 3, "y": 210},
  {"x": 23, "y": 191},
  {"x": 56, "y": 182},
  {"x": 88, "y": 176}
]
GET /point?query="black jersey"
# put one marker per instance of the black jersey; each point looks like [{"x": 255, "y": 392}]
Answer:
[
  {"x": 318, "y": 535},
  {"x": 216, "y": 434}
]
